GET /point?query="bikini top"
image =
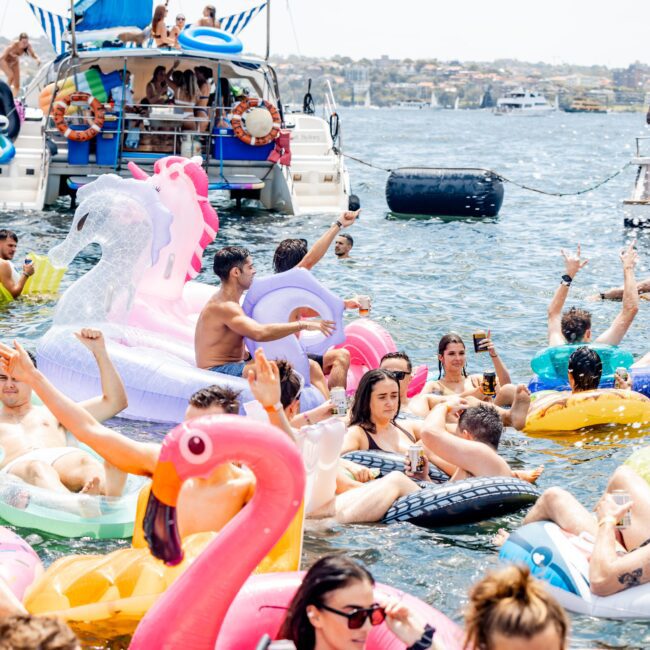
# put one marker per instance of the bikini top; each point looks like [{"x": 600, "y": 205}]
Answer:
[{"x": 373, "y": 446}]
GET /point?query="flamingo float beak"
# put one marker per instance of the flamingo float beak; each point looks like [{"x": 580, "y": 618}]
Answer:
[{"x": 160, "y": 522}]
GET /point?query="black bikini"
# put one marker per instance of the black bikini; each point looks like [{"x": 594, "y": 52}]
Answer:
[{"x": 373, "y": 446}]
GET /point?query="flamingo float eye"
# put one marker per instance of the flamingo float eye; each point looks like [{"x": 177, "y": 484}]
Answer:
[
  {"x": 195, "y": 447},
  {"x": 82, "y": 221}
]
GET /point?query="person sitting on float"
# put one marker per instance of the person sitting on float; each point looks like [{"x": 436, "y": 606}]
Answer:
[
  {"x": 9, "y": 277},
  {"x": 334, "y": 609},
  {"x": 473, "y": 450},
  {"x": 204, "y": 504},
  {"x": 574, "y": 325},
  {"x": 292, "y": 253},
  {"x": 222, "y": 323},
  {"x": 453, "y": 381},
  {"x": 209, "y": 17},
  {"x": 508, "y": 609},
  {"x": 33, "y": 438},
  {"x": 620, "y": 558}
]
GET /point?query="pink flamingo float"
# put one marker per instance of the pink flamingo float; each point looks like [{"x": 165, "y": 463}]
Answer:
[{"x": 207, "y": 604}]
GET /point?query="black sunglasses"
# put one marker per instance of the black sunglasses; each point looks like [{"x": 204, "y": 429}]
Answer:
[
  {"x": 357, "y": 617},
  {"x": 398, "y": 374}
]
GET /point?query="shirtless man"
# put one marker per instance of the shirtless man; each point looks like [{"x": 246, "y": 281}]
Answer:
[
  {"x": 222, "y": 324},
  {"x": 574, "y": 325},
  {"x": 10, "y": 279},
  {"x": 620, "y": 557},
  {"x": 33, "y": 440},
  {"x": 343, "y": 245},
  {"x": 10, "y": 63}
]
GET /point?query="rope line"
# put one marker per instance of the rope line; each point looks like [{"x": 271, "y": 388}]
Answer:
[{"x": 501, "y": 177}]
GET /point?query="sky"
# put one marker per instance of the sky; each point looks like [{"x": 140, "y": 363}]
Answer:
[{"x": 554, "y": 31}]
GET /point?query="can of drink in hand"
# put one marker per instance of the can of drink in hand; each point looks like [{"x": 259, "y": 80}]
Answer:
[
  {"x": 622, "y": 497},
  {"x": 364, "y": 306},
  {"x": 478, "y": 338},
  {"x": 489, "y": 384},
  {"x": 621, "y": 377},
  {"x": 416, "y": 458},
  {"x": 337, "y": 395},
  {"x": 28, "y": 260}
]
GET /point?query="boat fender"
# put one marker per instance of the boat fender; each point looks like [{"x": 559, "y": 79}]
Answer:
[
  {"x": 444, "y": 192},
  {"x": 463, "y": 502},
  {"x": 8, "y": 109},
  {"x": 387, "y": 462},
  {"x": 7, "y": 149}
]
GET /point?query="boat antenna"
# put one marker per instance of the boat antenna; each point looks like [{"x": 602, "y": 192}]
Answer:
[
  {"x": 268, "y": 29},
  {"x": 73, "y": 33}
]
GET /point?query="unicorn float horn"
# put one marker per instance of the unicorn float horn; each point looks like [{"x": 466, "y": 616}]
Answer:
[{"x": 137, "y": 173}]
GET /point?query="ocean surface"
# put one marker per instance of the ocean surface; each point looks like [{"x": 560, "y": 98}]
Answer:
[{"x": 428, "y": 276}]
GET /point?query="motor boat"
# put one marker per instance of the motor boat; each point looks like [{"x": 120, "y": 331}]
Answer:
[
  {"x": 523, "y": 102},
  {"x": 637, "y": 208}
]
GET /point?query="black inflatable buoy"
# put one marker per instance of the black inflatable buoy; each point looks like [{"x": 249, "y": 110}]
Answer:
[
  {"x": 8, "y": 108},
  {"x": 444, "y": 192}
]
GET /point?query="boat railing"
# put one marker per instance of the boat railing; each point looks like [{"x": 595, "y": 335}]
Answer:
[{"x": 640, "y": 140}]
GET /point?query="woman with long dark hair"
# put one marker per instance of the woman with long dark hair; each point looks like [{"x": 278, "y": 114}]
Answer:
[
  {"x": 335, "y": 608},
  {"x": 209, "y": 18}
]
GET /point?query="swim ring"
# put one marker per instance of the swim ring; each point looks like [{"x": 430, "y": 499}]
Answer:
[
  {"x": 7, "y": 149},
  {"x": 418, "y": 380},
  {"x": 19, "y": 564},
  {"x": 463, "y": 502},
  {"x": 639, "y": 461},
  {"x": 210, "y": 39},
  {"x": 551, "y": 366},
  {"x": 566, "y": 411},
  {"x": 387, "y": 462},
  {"x": 562, "y": 561}
]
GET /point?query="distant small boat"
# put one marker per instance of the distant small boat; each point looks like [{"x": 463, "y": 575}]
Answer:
[
  {"x": 523, "y": 102},
  {"x": 585, "y": 105},
  {"x": 412, "y": 103}
]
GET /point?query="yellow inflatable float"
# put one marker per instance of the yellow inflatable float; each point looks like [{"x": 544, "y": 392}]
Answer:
[
  {"x": 639, "y": 461},
  {"x": 46, "y": 279},
  {"x": 565, "y": 411},
  {"x": 106, "y": 596}
]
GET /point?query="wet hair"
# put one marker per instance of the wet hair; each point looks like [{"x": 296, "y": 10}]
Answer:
[
  {"x": 289, "y": 253},
  {"x": 360, "y": 411},
  {"x": 575, "y": 324},
  {"x": 227, "y": 258},
  {"x": 215, "y": 395},
  {"x": 326, "y": 575},
  {"x": 346, "y": 236},
  {"x": 483, "y": 423},
  {"x": 8, "y": 234},
  {"x": 586, "y": 368},
  {"x": 43, "y": 632},
  {"x": 512, "y": 603},
  {"x": 446, "y": 340},
  {"x": 398, "y": 355},
  {"x": 290, "y": 383}
]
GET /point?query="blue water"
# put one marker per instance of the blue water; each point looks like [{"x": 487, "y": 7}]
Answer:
[{"x": 428, "y": 276}]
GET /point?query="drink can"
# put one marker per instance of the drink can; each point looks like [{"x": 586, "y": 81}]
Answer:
[
  {"x": 489, "y": 384},
  {"x": 364, "y": 305},
  {"x": 28, "y": 260},
  {"x": 621, "y": 497},
  {"x": 478, "y": 338},
  {"x": 337, "y": 395},
  {"x": 416, "y": 458},
  {"x": 620, "y": 377}
]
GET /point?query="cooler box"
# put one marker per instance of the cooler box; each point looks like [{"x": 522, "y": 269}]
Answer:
[
  {"x": 108, "y": 142},
  {"x": 227, "y": 147},
  {"x": 78, "y": 152}
]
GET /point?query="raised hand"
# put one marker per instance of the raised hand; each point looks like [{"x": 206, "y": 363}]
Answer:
[
  {"x": 16, "y": 362},
  {"x": 264, "y": 380},
  {"x": 349, "y": 217},
  {"x": 573, "y": 263},
  {"x": 629, "y": 256},
  {"x": 92, "y": 338}
]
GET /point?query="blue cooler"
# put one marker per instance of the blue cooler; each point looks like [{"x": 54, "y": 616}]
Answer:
[
  {"x": 108, "y": 142},
  {"x": 78, "y": 152},
  {"x": 225, "y": 145}
]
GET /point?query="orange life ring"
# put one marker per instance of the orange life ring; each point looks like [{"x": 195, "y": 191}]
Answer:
[
  {"x": 61, "y": 106},
  {"x": 240, "y": 130}
]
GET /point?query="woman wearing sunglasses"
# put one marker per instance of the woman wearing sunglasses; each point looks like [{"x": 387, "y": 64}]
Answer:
[{"x": 335, "y": 609}]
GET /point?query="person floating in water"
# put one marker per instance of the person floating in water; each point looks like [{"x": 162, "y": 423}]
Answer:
[{"x": 9, "y": 277}]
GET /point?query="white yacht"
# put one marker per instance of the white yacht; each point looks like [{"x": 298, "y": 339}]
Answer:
[
  {"x": 523, "y": 102},
  {"x": 637, "y": 208},
  {"x": 47, "y": 165}
]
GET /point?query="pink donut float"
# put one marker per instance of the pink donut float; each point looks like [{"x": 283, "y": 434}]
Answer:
[
  {"x": 19, "y": 564},
  {"x": 418, "y": 380}
]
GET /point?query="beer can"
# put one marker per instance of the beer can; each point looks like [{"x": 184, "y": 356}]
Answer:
[
  {"x": 478, "y": 338},
  {"x": 620, "y": 377},
  {"x": 416, "y": 458},
  {"x": 489, "y": 384},
  {"x": 339, "y": 400},
  {"x": 621, "y": 497}
]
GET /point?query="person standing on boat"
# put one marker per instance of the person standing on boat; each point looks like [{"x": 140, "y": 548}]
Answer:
[
  {"x": 203, "y": 75},
  {"x": 209, "y": 18},
  {"x": 574, "y": 325},
  {"x": 10, "y": 60},
  {"x": 9, "y": 277}
]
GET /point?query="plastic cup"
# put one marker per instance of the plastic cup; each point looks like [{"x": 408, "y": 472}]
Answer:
[
  {"x": 621, "y": 497},
  {"x": 364, "y": 306}
]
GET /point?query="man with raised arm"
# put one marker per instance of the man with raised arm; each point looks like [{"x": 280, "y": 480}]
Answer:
[
  {"x": 9, "y": 277},
  {"x": 574, "y": 325},
  {"x": 222, "y": 324},
  {"x": 33, "y": 439}
]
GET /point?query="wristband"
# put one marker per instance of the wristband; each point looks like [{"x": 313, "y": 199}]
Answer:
[
  {"x": 607, "y": 520},
  {"x": 494, "y": 356},
  {"x": 566, "y": 280},
  {"x": 602, "y": 296},
  {"x": 338, "y": 223},
  {"x": 274, "y": 408},
  {"x": 425, "y": 640}
]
